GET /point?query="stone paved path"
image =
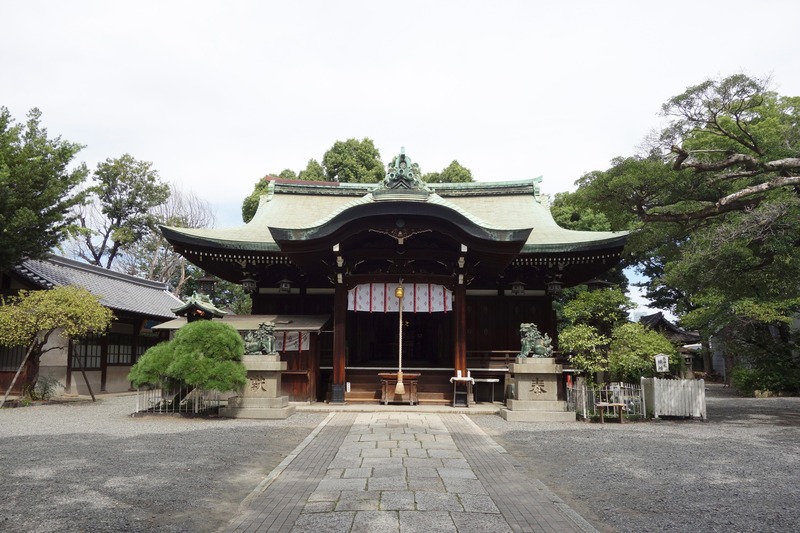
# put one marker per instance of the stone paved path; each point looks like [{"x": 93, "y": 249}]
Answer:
[{"x": 402, "y": 472}]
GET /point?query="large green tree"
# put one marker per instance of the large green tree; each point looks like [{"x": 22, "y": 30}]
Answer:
[
  {"x": 312, "y": 172},
  {"x": 250, "y": 204},
  {"x": 38, "y": 188},
  {"x": 350, "y": 161},
  {"x": 124, "y": 194},
  {"x": 714, "y": 200},
  {"x": 452, "y": 173},
  {"x": 354, "y": 161}
]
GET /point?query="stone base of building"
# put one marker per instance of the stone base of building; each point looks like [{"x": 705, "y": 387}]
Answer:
[
  {"x": 543, "y": 415},
  {"x": 260, "y": 396},
  {"x": 536, "y": 383},
  {"x": 244, "y": 407}
]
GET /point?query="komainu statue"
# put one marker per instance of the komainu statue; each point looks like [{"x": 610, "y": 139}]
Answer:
[
  {"x": 261, "y": 341},
  {"x": 533, "y": 343}
]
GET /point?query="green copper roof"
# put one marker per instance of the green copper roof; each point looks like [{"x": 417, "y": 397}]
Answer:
[
  {"x": 201, "y": 302},
  {"x": 508, "y": 205}
]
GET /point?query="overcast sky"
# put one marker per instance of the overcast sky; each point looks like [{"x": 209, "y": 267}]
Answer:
[{"x": 218, "y": 94}]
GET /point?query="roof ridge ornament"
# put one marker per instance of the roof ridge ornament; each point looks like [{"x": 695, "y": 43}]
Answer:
[
  {"x": 402, "y": 176},
  {"x": 199, "y": 306}
]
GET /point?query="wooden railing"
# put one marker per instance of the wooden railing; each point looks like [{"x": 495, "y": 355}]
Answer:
[{"x": 490, "y": 359}]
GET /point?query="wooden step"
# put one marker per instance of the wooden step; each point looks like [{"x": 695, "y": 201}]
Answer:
[{"x": 434, "y": 401}]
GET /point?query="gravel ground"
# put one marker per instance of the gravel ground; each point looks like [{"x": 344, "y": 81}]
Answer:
[
  {"x": 90, "y": 467},
  {"x": 84, "y": 467},
  {"x": 737, "y": 472}
]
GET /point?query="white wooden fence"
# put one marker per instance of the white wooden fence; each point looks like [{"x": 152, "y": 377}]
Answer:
[{"x": 675, "y": 397}]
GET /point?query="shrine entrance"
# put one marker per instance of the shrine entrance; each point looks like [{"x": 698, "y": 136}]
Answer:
[
  {"x": 374, "y": 343},
  {"x": 373, "y": 340}
]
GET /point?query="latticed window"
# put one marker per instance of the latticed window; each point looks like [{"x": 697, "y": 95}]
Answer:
[
  {"x": 90, "y": 351},
  {"x": 120, "y": 349},
  {"x": 11, "y": 357}
]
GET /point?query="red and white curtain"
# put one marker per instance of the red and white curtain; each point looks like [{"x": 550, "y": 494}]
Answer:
[
  {"x": 291, "y": 341},
  {"x": 417, "y": 298}
]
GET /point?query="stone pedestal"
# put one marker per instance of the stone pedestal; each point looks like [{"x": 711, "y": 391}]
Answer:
[
  {"x": 260, "y": 398},
  {"x": 536, "y": 382}
]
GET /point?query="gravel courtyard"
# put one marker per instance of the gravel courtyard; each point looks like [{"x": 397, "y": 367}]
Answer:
[
  {"x": 737, "y": 472},
  {"x": 83, "y": 467},
  {"x": 91, "y": 467}
]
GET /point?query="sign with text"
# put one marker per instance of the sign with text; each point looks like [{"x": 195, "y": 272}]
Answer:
[{"x": 662, "y": 363}]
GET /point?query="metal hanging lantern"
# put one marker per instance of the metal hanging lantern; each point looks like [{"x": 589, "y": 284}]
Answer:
[
  {"x": 517, "y": 288},
  {"x": 554, "y": 287},
  {"x": 249, "y": 285},
  {"x": 206, "y": 284},
  {"x": 285, "y": 286}
]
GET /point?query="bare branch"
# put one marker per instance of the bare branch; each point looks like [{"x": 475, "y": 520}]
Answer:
[
  {"x": 790, "y": 163},
  {"x": 732, "y": 202},
  {"x": 684, "y": 160}
]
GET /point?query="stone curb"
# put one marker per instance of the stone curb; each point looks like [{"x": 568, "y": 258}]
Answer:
[{"x": 278, "y": 470}]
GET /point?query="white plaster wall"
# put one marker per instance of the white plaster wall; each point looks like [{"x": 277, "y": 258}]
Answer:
[{"x": 116, "y": 379}]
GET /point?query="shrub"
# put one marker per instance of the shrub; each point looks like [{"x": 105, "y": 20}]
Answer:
[
  {"x": 43, "y": 390},
  {"x": 632, "y": 351},
  {"x": 586, "y": 346},
  {"x": 151, "y": 368},
  {"x": 205, "y": 354},
  {"x": 776, "y": 379}
]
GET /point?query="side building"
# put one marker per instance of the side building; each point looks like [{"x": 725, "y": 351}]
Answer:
[{"x": 138, "y": 305}]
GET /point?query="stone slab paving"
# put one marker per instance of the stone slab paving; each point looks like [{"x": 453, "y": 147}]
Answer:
[{"x": 402, "y": 472}]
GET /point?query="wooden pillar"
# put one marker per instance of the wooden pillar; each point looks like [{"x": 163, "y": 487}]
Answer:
[
  {"x": 552, "y": 328},
  {"x": 339, "y": 343},
  {"x": 460, "y": 337}
]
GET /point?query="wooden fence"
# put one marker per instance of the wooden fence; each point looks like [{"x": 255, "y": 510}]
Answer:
[{"x": 675, "y": 397}]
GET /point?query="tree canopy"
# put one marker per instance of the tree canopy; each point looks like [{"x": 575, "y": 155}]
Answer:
[
  {"x": 124, "y": 193},
  {"x": 354, "y": 161},
  {"x": 38, "y": 188},
  {"x": 590, "y": 318},
  {"x": 350, "y": 161},
  {"x": 713, "y": 200},
  {"x": 453, "y": 173}
]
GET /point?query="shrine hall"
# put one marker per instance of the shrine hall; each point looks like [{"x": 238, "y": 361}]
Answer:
[{"x": 363, "y": 279}]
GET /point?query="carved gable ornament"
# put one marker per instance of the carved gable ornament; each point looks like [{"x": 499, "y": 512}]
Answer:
[{"x": 402, "y": 178}]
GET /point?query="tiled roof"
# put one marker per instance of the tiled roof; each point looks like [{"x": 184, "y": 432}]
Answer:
[
  {"x": 657, "y": 321},
  {"x": 117, "y": 291},
  {"x": 251, "y": 322},
  {"x": 500, "y": 205}
]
